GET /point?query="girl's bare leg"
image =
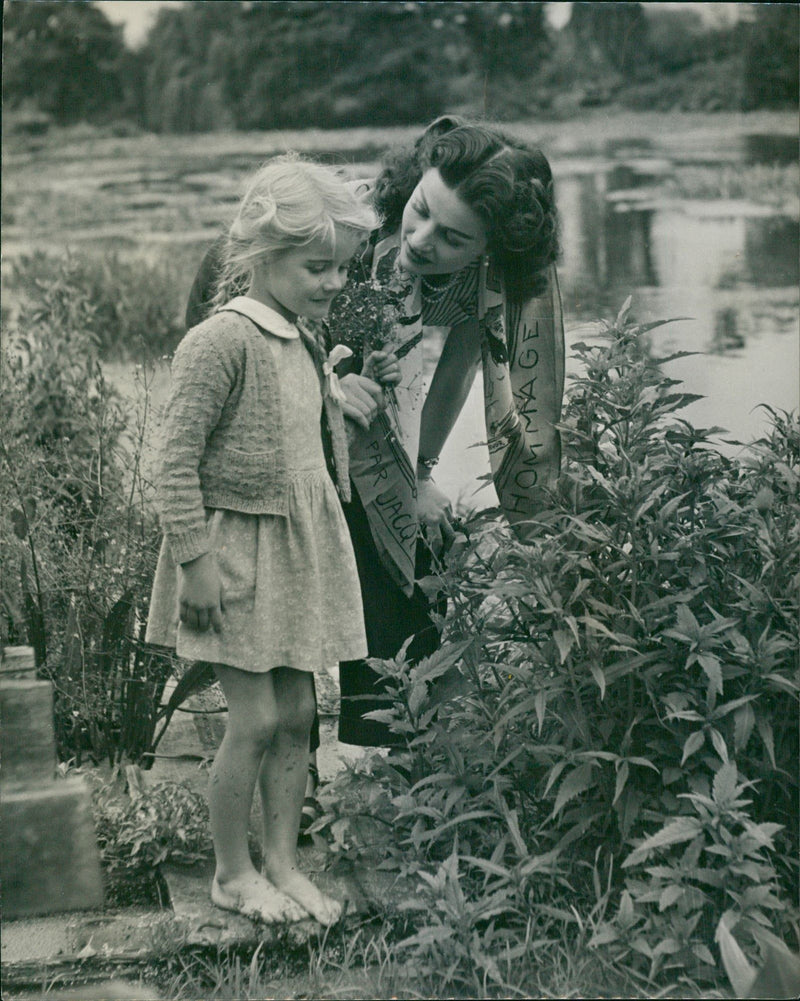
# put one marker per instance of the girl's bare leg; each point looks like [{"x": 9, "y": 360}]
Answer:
[
  {"x": 251, "y": 730},
  {"x": 282, "y": 780}
]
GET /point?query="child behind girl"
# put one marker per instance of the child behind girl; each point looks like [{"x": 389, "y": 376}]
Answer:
[{"x": 256, "y": 562}]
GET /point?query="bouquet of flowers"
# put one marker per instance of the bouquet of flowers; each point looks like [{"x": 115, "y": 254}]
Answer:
[{"x": 367, "y": 315}]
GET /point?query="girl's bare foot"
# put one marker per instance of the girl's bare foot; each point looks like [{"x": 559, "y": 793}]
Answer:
[
  {"x": 299, "y": 887},
  {"x": 256, "y": 898}
]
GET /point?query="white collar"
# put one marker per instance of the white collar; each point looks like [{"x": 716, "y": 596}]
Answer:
[{"x": 265, "y": 316}]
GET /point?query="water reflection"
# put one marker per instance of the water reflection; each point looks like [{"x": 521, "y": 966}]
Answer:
[
  {"x": 628, "y": 248},
  {"x": 726, "y": 337},
  {"x": 611, "y": 247},
  {"x": 770, "y": 149},
  {"x": 770, "y": 251}
]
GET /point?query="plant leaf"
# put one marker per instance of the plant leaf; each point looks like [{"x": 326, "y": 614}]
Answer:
[
  {"x": 578, "y": 781},
  {"x": 622, "y": 778},
  {"x": 740, "y": 973},
  {"x": 713, "y": 670},
  {"x": 765, "y": 730},
  {"x": 564, "y": 641},
  {"x": 693, "y": 743},
  {"x": 724, "y": 787},
  {"x": 540, "y": 703},
  {"x": 719, "y": 743},
  {"x": 680, "y": 829},
  {"x": 600, "y": 678}
]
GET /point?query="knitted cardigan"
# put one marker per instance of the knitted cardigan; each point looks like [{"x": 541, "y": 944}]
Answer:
[{"x": 223, "y": 442}]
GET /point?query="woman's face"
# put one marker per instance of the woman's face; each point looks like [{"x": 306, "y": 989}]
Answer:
[{"x": 440, "y": 233}]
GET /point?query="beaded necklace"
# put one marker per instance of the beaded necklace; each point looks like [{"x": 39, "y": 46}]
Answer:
[{"x": 433, "y": 292}]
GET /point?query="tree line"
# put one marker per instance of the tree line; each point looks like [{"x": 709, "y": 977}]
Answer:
[{"x": 239, "y": 65}]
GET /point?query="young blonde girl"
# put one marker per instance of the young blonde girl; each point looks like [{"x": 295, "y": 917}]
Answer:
[{"x": 256, "y": 573}]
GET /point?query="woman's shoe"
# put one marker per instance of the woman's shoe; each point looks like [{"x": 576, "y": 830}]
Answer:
[{"x": 311, "y": 811}]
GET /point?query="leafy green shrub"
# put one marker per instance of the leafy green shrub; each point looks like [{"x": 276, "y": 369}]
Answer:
[
  {"x": 129, "y": 307},
  {"x": 608, "y": 737},
  {"x": 167, "y": 821},
  {"x": 79, "y": 541}
]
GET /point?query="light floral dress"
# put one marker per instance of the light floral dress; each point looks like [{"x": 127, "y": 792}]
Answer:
[{"x": 290, "y": 587}]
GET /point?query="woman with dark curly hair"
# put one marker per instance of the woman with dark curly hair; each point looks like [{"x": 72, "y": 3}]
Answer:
[{"x": 469, "y": 240}]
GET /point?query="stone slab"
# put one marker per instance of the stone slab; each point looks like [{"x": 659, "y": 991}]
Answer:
[
  {"x": 17, "y": 662},
  {"x": 86, "y": 948},
  {"x": 131, "y": 933},
  {"x": 48, "y": 853},
  {"x": 27, "y": 740},
  {"x": 107, "y": 990},
  {"x": 206, "y": 924},
  {"x": 30, "y": 939}
]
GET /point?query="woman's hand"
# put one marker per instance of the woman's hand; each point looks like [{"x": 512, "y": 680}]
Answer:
[
  {"x": 435, "y": 513},
  {"x": 383, "y": 367},
  {"x": 364, "y": 398},
  {"x": 200, "y": 594}
]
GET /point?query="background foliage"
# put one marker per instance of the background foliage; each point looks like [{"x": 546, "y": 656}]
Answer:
[{"x": 209, "y": 66}]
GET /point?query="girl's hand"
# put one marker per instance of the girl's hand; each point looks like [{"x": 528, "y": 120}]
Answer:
[
  {"x": 200, "y": 594},
  {"x": 383, "y": 367},
  {"x": 364, "y": 398},
  {"x": 435, "y": 513}
]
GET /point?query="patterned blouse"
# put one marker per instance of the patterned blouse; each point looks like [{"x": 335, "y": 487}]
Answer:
[{"x": 455, "y": 305}]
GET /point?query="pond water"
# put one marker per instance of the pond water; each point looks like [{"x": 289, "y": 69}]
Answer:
[{"x": 731, "y": 267}]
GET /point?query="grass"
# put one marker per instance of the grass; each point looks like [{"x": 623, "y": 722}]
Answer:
[{"x": 360, "y": 965}]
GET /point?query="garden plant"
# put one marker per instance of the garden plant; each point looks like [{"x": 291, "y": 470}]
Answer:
[{"x": 604, "y": 750}]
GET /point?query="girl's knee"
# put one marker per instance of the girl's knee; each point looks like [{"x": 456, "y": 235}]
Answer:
[
  {"x": 252, "y": 706},
  {"x": 297, "y": 705},
  {"x": 306, "y": 708},
  {"x": 257, "y": 727}
]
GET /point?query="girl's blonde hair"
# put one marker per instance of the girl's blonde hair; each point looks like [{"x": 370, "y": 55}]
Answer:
[{"x": 288, "y": 202}]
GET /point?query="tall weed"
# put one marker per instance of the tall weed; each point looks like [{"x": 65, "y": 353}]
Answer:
[
  {"x": 607, "y": 739},
  {"x": 79, "y": 540},
  {"x": 130, "y": 308}
]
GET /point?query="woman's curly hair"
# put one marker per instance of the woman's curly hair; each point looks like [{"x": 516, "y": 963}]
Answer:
[{"x": 508, "y": 184}]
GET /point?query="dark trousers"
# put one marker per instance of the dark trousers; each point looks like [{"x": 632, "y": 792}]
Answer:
[{"x": 390, "y": 616}]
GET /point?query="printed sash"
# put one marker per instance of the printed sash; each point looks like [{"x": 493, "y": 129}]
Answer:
[{"x": 522, "y": 348}]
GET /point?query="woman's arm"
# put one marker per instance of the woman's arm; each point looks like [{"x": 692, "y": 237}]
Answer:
[
  {"x": 450, "y": 386},
  {"x": 448, "y": 392}
]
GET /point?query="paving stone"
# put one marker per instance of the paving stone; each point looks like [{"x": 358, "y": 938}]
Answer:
[
  {"x": 130, "y": 933},
  {"x": 84, "y": 947},
  {"x": 364, "y": 892},
  {"x": 107, "y": 990},
  {"x": 205, "y": 924},
  {"x": 30, "y": 939}
]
